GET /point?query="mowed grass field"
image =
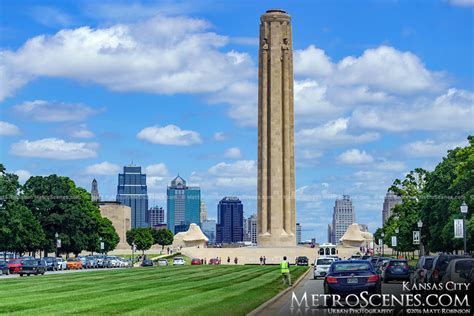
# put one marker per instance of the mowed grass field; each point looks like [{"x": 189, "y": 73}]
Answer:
[{"x": 186, "y": 290}]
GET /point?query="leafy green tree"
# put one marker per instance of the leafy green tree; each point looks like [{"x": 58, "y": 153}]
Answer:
[
  {"x": 142, "y": 237},
  {"x": 163, "y": 237},
  {"x": 108, "y": 234},
  {"x": 63, "y": 208},
  {"x": 20, "y": 231},
  {"x": 447, "y": 186}
]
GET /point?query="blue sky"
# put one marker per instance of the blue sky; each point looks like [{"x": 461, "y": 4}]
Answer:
[{"x": 381, "y": 87}]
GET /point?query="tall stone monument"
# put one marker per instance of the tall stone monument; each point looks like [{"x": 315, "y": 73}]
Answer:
[{"x": 276, "y": 154}]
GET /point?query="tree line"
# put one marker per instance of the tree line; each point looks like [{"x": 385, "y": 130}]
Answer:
[
  {"x": 32, "y": 214},
  {"x": 434, "y": 198},
  {"x": 145, "y": 237}
]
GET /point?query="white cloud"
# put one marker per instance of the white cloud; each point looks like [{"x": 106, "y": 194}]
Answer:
[
  {"x": 103, "y": 169},
  {"x": 54, "y": 148},
  {"x": 220, "y": 136},
  {"x": 169, "y": 135},
  {"x": 158, "y": 169},
  {"x": 123, "y": 57},
  {"x": 430, "y": 148},
  {"x": 23, "y": 175},
  {"x": 233, "y": 153},
  {"x": 355, "y": 157},
  {"x": 453, "y": 110},
  {"x": 81, "y": 132},
  {"x": 333, "y": 133},
  {"x": 51, "y": 111},
  {"x": 241, "y": 174},
  {"x": 389, "y": 165},
  {"x": 50, "y": 16},
  {"x": 8, "y": 129},
  {"x": 312, "y": 62},
  {"x": 462, "y": 3}
]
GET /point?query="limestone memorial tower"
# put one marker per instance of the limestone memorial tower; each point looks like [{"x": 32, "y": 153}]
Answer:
[{"x": 276, "y": 153}]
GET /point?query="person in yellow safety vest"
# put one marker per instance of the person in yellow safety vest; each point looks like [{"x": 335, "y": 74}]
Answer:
[{"x": 285, "y": 271}]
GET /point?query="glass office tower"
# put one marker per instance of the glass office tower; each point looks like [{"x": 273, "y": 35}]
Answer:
[
  {"x": 230, "y": 221},
  {"x": 132, "y": 191},
  {"x": 183, "y": 206}
]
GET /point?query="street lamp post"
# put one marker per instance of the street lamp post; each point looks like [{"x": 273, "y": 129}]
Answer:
[
  {"x": 420, "y": 225},
  {"x": 383, "y": 235},
  {"x": 464, "y": 210},
  {"x": 56, "y": 235},
  {"x": 396, "y": 234}
]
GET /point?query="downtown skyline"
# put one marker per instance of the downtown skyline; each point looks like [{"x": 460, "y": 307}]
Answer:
[{"x": 172, "y": 87}]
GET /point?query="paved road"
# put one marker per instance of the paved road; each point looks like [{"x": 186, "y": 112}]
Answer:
[
  {"x": 16, "y": 275},
  {"x": 282, "y": 307}
]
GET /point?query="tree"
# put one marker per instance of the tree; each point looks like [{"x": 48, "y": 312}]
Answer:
[
  {"x": 163, "y": 237},
  {"x": 142, "y": 237},
  {"x": 108, "y": 234},
  {"x": 20, "y": 231}
]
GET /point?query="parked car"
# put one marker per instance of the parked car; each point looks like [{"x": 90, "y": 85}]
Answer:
[
  {"x": 4, "y": 269},
  {"x": 214, "y": 261},
  {"x": 366, "y": 257},
  {"x": 178, "y": 261},
  {"x": 396, "y": 269},
  {"x": 459, "y": 271},
  {"x": 15, "y": 265},
  {"x": 61, "y": 263},
  {"x": 195, "y": 261},
  {"x": 374, "y": 260},
  {"x": 33, "y": 266},
  {"x": 100, "y": 260},
  {"x": 51, "y": 263},
  {"x": 352, "y": 277},
  {"x": 111, "y": 262},
  {"x": 74, "y": 263},
  {"x": 302, "y": 261},
  {"x": 91, "y": 262},
  {"x": 422, "y": 266},
  {"x": 163, "y": 262},
  {"x": 438, "y": 268},
  {"x": 147, "y": 263},
  {"x": 321, "y": 266},
  {"x": 356, "y": 257}
]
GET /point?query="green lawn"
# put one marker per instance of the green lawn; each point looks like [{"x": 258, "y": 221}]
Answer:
[{"x": 186, "y": 290}]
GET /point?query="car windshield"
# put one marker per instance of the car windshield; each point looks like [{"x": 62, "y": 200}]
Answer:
[
  {"x": 15, "y": 262},
  {"x": 428, "y": 263},
  {"x": 72, "y": 259},
  {"x": 48, "y": 259},
  {"x": 30, "y": 263},
  {"x": 324, "y": 262},
  {"x": 352, "y": 266},
  {"x": 464, "y": 266}
]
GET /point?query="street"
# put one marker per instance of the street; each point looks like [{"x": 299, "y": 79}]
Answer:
[
  {"x": 16, "y": 275},
  {"x": 282, "y": 307}
]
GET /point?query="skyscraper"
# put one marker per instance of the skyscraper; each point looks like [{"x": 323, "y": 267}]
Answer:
[
  {"x": 95, "y": 191},
  {"x": 329, "y": 233},
  {"x": 298, "y": 233},
  {"x": 156, "y": 216},
  {"x": 230, "y": 220},
  {"x": 203, "y": 213},
  {"x": 209, "y": 229},
  {"x": 391, "y": 199},
  {"x": 250, "y": 229},
  {"x": 183, "y": 204},
  {"x": 342, "y": 218},
  {"x": 132, "y": 191}
]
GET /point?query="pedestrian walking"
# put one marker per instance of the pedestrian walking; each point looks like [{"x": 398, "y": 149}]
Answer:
[
  {"x": 285, "y": 271},
  {"x": 264, "y": 260},
  {"x": 228, "y": 260},
  {"x": 235, "y": 260},
  {"x": 261, "y": 260}
]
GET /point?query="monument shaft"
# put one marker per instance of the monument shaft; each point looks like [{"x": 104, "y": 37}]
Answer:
[{"x": 276, "y": 155}]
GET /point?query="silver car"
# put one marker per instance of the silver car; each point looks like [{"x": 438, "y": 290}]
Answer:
[
  {"x": 178, "y": 261},
  {"x": 321, "y": 266},
  {"x": 163, "y": 262},
  {"x": 62, "y": 265}
]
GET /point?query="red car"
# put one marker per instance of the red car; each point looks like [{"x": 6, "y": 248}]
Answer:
[
  {"x": 195, "y": 262},
  {"x": 15, "y": 265},
  {"x": 214, "y": 261}
]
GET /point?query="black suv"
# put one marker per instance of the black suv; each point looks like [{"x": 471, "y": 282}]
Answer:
[
  {"x": 438, "y": 268},
  {"x": 302, "y": 261},
  {"x": 33, "y": 266}
]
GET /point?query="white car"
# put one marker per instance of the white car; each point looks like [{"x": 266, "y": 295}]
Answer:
[
  {"x": 162, "y": 262},
  {"x": 62, "y": 265},
  {"x": 178, "y": 261},
  {"x": 321, "y": 266}
]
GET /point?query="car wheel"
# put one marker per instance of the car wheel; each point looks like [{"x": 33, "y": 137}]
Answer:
[
  {"x": 21, "y": 274},
  {"x": 27, "y": 274}
]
